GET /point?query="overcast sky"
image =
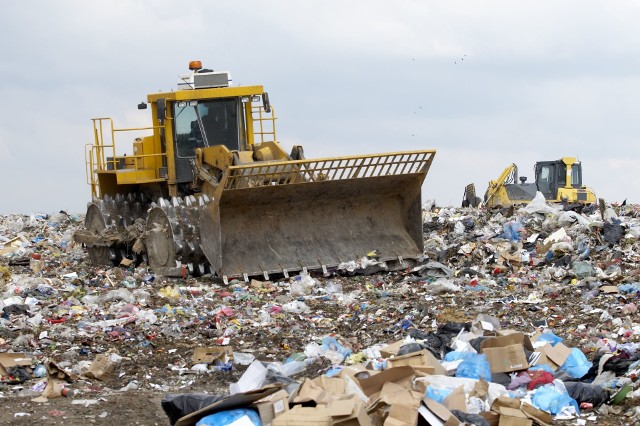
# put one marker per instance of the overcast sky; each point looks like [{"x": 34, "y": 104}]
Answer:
[{"x": 485, "y": 83}]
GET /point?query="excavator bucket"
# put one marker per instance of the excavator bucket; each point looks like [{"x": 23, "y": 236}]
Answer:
[{"x": 275, "y": 217}]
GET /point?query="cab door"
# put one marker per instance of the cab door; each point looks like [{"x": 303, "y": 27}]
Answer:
[{"x": 547, "y": 179}]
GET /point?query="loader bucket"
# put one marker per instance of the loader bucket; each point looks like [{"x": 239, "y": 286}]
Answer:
[{"x": 275, "y": 217}]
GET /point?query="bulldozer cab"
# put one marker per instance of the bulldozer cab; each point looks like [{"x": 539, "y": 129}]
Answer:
[
  {"x": 204, "y": 123},
  {"x": 552, "y": 175}
]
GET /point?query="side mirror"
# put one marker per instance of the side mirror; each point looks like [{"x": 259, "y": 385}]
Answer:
[
  {"x": 142, "y": 105},
  {"x": 265, "y": 102}
]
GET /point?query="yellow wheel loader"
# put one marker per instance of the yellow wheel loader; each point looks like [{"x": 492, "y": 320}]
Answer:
[
  {"x": 559, "y": 181},
  {"x": 210, "y": 189}
]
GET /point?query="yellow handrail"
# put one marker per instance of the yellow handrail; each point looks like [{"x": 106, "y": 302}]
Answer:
[{"x": 95, "y": 156}]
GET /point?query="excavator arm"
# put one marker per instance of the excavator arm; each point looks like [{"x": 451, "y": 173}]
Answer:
[{"x": 508, "y": 175}]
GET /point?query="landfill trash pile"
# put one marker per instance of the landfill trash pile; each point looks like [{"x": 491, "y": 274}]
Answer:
[{"x": 518, "y": 316}]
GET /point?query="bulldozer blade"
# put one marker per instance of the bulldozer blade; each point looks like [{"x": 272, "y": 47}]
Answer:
[{"x": 287, "y": 216}]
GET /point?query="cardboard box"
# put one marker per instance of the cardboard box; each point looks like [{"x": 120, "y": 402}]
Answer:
[
  {"x": 506, "y": 353},
  {"x": 518, "y": 413},
  {"x": 272, "y": 406},
  {"x": 422, "y": 361},
  {"x": 346, "y": 412},
  {"x": 233, "y": 401}
]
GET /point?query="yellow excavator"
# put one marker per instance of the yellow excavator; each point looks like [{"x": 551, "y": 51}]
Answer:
[
  {"x": 210, "y": 189},
  {"x": 560, "y": 181}
]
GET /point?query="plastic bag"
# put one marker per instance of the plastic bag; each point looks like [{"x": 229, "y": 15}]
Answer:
[
  {"x": 550, "y": 337},
  {"x": 472, "y": 419},
  {"x": 583, "y": 269},
  {"x": 227, "y": 417},
  {"x": 568, "y": 218},
  {"x": 539, "y": 205},
  {"x": 576, "y": 364},
  {"x": 549, "y": 399},
  {"x": 475, "y": 367},
  {"x": 177, "y": 406},
  {"x": 585, "y": 392},
  {"x": 457, "y": 355},
  {"x": 438, "y": 394},
  {"x": 511, "y": 230},
  {"x": 336, "y": 343}
]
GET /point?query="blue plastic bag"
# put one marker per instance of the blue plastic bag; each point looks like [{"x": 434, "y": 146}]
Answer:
[
  {"x": 223, "y": 418},
  {"x": 549, "y": 399},
  {"x": 476, "y": 367},
  {"x": 331, "y": 343},
  {"x": 629, "y": 288},
  {"x": 576, "y": 365},
  {"x": 550, "y": 337},
  {"x": 456, "y": 355},
  {"x": 437, "y": 394},
  {"x": 511, "y": 230}
]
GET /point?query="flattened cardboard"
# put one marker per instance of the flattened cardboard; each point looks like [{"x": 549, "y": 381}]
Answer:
[
  {"x": 232, "y": 401},
  {"x": 506, "y": 353},
  {"x": 553, "y": 356},
  {"x": 504, "y": 401},
  {"x": 610, "y": 289},
  {"x": 320, "y": 390},
  {"x": 536, "y": 414},
  {"x": 393, "y": 393},
  {"x": 304, "y": 416},
  {"x": 330, "y": 384},
  {"x": 212, "y": 354},
  {"x": 348, "y": 412},
  {"x": 513, "y": 417},
  {"x": 423, "y": 361}
]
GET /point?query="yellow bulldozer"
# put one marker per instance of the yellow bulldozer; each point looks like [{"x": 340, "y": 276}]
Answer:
[
  {"x": 560, "y": 181},
  {"x": 210, "y": 189}
]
